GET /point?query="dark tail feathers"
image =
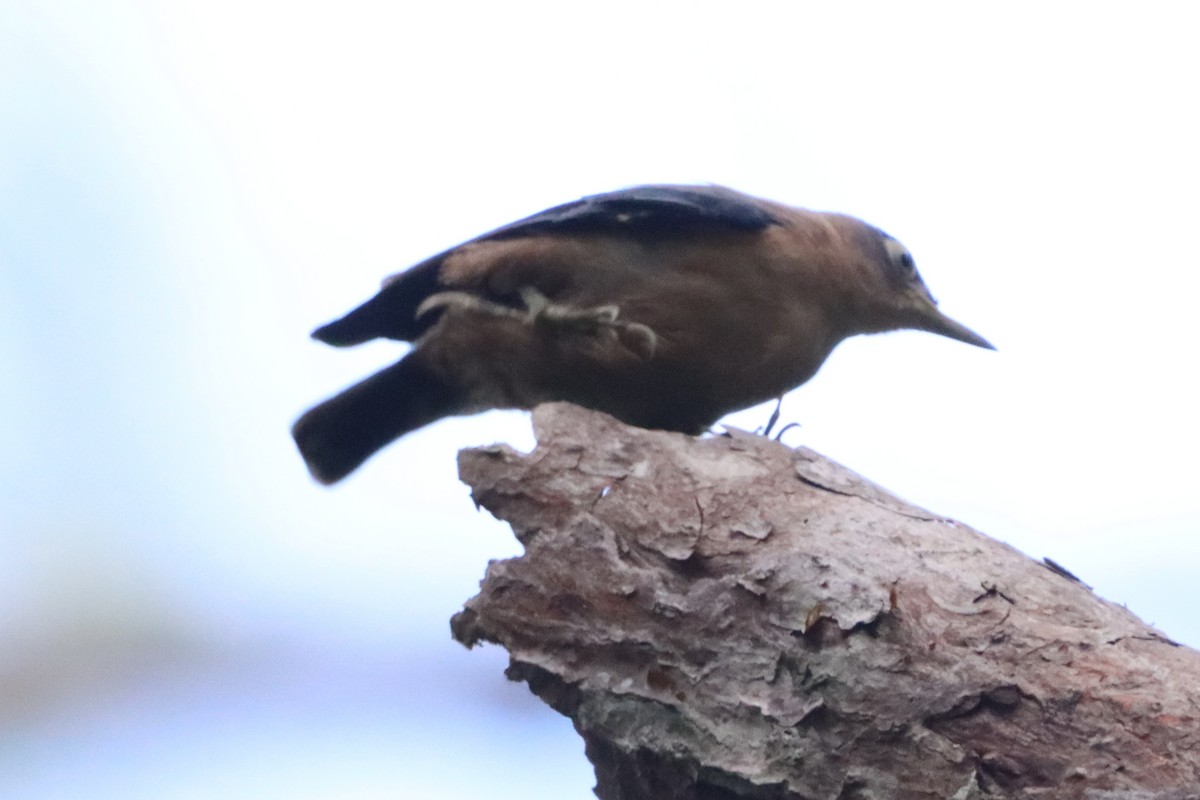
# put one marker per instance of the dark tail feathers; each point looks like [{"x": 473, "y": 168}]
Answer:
[{"x": 340, "y": 434}]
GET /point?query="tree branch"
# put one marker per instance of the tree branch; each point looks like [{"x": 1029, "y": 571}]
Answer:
[{"x": 730, "y": 618}]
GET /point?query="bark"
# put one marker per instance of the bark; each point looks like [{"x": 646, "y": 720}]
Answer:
[{"x": 727, "y": 617}]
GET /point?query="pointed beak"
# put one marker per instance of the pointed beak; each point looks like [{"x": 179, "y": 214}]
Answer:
[{"x": 935, "y": 321}]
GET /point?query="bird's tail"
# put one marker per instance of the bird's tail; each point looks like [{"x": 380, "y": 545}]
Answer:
[{"x": 340, "y": 434}]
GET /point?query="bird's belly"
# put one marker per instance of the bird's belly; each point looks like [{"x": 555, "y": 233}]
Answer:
[{"x": 699, "y": 370}]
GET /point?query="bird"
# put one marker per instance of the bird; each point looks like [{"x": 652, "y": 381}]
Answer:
[{"x": 665, "y": 306}]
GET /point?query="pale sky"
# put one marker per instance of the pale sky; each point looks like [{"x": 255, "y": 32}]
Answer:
[{"x": 188, "y": 188}]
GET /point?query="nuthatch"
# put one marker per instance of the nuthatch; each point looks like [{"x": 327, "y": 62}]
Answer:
[{"x": 665, "y": 306}]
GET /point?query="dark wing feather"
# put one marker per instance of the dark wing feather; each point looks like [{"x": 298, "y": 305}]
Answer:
[
  {"x": 643, "y": 211},
  {"x": 647, "y": 211},
  {"x": 392, "y": 313}
]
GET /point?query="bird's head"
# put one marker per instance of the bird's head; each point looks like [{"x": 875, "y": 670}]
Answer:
[{"x": 901, "y": 298}]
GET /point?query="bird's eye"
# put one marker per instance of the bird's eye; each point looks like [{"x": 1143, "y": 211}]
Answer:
[{"x": 900, "y": 256}]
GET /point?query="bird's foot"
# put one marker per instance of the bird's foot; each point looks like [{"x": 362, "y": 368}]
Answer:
[
  {"x": 466, "y": 301},
  {"x": 766, "y": 431},
  {"x": 539, "y": 310},
  {"x": 774, "y": 418},
  {"x": 635, "y": 336}
]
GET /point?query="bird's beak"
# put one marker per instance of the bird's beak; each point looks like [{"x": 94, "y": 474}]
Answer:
[{"x": 935, "y": 321}]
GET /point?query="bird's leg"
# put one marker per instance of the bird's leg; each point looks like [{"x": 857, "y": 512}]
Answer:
[
  {"x": 766, "y": 431},
  {"x": 542, "y": 311},
  {"x": 467, "y": 302},
  {"x": 539, "y": 310},
  {"x": 634, "y": 335},
  {"x": 774, "y": 416}
]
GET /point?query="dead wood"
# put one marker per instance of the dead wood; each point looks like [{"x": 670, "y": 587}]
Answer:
[{"x": 730, "y": 618}]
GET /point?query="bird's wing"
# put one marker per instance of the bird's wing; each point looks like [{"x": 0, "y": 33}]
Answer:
[
  {"x": 642, "y": 212},
  {"x": 646, "y": 211}
]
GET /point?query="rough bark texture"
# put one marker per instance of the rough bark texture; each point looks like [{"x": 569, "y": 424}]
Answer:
[{"x": 731, "y": 618}]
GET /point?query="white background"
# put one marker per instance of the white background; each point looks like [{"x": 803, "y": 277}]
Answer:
[{"x": 187, "y": 188}]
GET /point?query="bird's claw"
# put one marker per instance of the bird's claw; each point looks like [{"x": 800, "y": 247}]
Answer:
[
  {"x": 635, "y": 336},
  {"x": 466, "y": 302},
  {"x": 774, "y": 418},
  {"x": 540, "y": 310}
]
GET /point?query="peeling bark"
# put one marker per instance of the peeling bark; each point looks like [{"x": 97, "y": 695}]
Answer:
[{"x": 730, "y": 618}]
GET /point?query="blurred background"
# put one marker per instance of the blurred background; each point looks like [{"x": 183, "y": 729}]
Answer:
[{"x": 188, "y": 188}]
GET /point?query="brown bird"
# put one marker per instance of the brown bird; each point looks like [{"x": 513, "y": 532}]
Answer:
[{"x": 665, "y": 306}]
